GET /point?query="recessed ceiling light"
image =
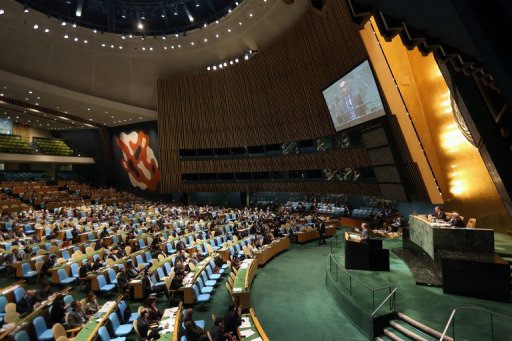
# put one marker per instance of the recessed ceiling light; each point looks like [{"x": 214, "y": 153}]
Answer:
[
  {"x": 36, "y": 26},
  {"x": 2, "y": 11},
  {"x": 30, "y": 91},
  {"x": 46, "y": 30}
]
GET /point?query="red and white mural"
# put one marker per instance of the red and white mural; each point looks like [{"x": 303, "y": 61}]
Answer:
[{"x": 139, "y": 160}]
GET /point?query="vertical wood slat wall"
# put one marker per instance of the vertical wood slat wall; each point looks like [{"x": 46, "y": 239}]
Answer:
[{"x": 275, "y": 97}]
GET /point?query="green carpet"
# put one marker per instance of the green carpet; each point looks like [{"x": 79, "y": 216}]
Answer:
[
  {"x": 291, "y": 300},
  {"x": 428, "y": 305}
]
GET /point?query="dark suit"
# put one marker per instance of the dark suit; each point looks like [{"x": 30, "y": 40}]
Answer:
[
  {"x": 350, "y": 107},
  {"x": 457, "y": 223},
  {"x": 232, "y": 321},
  {"x": 441, "y": 215},
  {"x": 58, "y": 312},
  {"x": 321, "y": 230},
  {"x": 194, "y": 333},
  {"x": 24, "y": 306},
  {"x": 76, "y": 318}
]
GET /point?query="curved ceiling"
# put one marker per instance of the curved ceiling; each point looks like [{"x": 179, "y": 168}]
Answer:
[
  {"x": 111, "y": 73},
  {"x": 140, "y": 17}
]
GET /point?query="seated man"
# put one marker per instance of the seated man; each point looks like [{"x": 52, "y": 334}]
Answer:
[
  {"x": 456, "y": 220},
  {"x": 123, "y": 281},
  {"x": 218, "y": 332},
  {"x": 232, "y": 318},
  {"x": 146, "y": 330},
  {"x": 192, "y": 330},
  {"x": 76, "y": 317},
  {"x": 26, "y": 303},
  {"x": 439, "y": 213},
  {"x": 149, "y": 287}
]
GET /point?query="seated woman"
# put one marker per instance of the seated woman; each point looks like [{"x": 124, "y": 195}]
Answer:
[{"x": 91, "y": 305}]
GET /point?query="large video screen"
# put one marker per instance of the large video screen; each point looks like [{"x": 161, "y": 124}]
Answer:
[{"x": 354, "y": 98}]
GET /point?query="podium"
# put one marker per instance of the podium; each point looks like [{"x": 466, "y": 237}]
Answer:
[{"x": 366, "y": 254}]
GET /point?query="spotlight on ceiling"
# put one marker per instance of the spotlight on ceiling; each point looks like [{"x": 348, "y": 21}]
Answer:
[
  {"x": 140, "y": 25},
  {"x": 189, "y": 15},
  {"x": 79, "y": 6}
]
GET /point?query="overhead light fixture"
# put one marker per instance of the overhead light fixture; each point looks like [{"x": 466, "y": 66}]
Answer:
[
  {"x": 79, "y": 6},
  {"x": 1, "y": 11},
  {"x": 189, "y": 15},
  {"x": 162, "y": 14},
  {"x": 140, "y": 26}
]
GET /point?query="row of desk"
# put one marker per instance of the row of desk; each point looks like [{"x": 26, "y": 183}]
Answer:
[
  {"x": 8, "y": 331},
  {"x": 242, "y": 283}
]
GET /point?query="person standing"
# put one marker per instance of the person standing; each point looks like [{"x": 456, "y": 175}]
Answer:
[
  {"x": 350, "y": 105},
  {"x": 320, "y": 227}
]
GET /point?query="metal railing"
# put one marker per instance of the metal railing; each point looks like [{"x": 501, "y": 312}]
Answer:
[
  {"x": 333, "y": 240},
  {"x": 392, "y": 307},
  {"x": 352, "y": 280},
  {"x": 494, "y": 333}
]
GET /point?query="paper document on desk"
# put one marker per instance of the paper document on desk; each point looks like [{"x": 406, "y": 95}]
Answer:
[
  {"x": 237, "y": 289},
  {"x": 246, "y": 333},
  {"x": 257, "y": 339},
  {"x": 246, "y": 323},
  {"x": 168, "y": 330}
]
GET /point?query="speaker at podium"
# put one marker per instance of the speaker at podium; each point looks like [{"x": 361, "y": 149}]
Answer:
[{"x": 365, "y": 254}]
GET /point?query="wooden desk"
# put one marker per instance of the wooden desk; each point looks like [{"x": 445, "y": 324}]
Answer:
[
  {"x": 255, "y": 327},
  {"x": 433, "y": 239},
  {"x": 267, "y": 252},
  {"x": 303, "y": 237},
  {"x": 53, "y": 271},
  {"x": 188, "y": 291},
  {"x": 242, "y": 283},
  {"x": 25, "y": 323},
  {"x": 90, "y": 330},
  {"x": 8, "y": 292},
  {"x": 176, "y": 321},
  {"x": 93, "y": 276},
  {"x": 31, "y": 260}
]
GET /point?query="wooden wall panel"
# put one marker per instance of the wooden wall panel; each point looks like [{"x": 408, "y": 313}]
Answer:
[
  {"x": 275, "y": 97},
  {"x": 353, "y": 157},
  {"x": 307, "y": 187}
]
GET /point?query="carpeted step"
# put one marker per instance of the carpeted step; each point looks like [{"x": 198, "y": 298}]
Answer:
[
  {"x": 411, "y": 331},
  {"x": 383, "y": 338},
  {"x": 424, "y": 328},
  {"x": 395, "y": 335}
]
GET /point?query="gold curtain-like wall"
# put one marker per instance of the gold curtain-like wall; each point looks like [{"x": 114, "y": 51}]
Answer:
[
  {"x": 458, "y": 166},
  {"x": 275, "y": 97}
]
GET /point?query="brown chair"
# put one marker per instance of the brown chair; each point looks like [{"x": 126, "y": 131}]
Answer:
[{"x": 471, "y": 223}]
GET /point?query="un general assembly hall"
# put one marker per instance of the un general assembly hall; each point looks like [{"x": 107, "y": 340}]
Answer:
[{"x": 220, "y": 170}]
